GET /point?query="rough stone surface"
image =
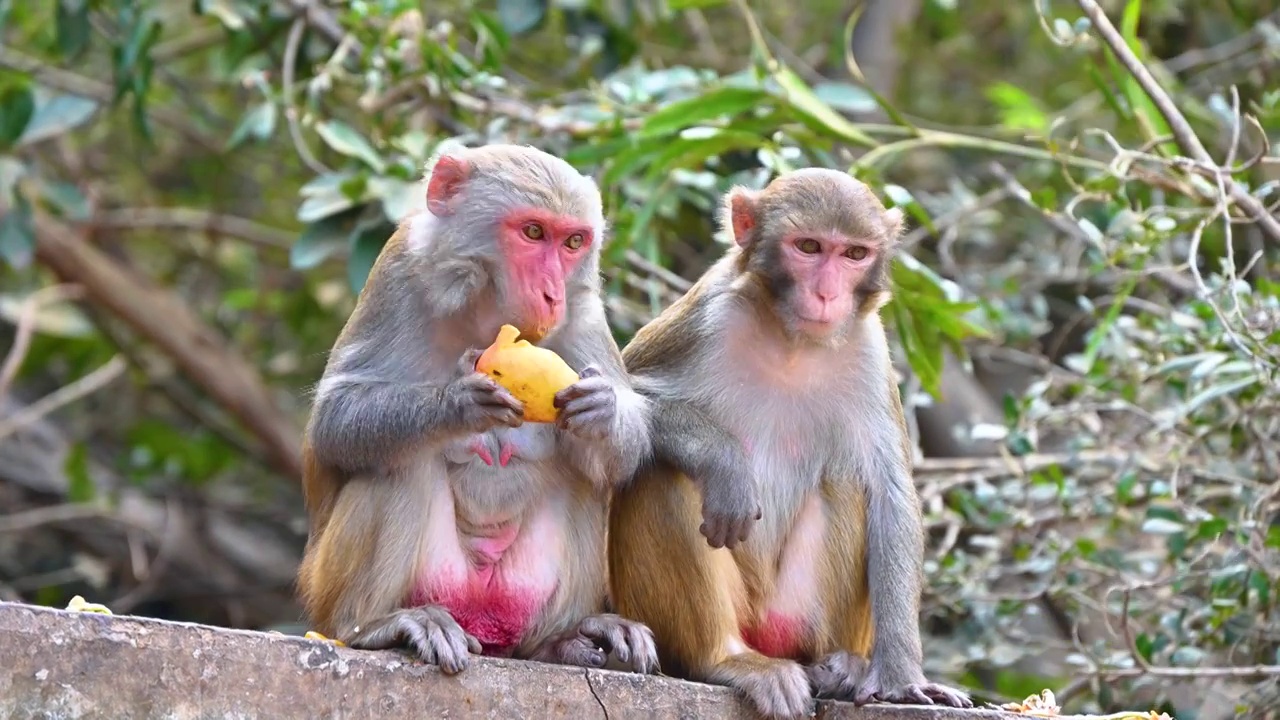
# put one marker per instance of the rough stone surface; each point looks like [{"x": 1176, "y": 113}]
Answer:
[{"x": 57, "y": 664}]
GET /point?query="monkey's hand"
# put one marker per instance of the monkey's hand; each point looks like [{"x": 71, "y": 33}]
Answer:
[
  {"x": 429, "y": 630},
  {"x": 729, "y": 509},
  {"x": 595, "y": 637},
  {"x": 587, "y": 407},
  {"x": 836, "y": 676},
  {"x": 898, "y": 689},
  {"x": 477, "y": 403}
]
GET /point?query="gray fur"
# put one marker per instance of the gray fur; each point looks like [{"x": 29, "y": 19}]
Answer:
[{"x": 398, "y": 407}]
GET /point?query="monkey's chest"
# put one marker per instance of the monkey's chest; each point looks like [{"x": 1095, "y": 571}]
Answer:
[{"x": 498, "y": 448}]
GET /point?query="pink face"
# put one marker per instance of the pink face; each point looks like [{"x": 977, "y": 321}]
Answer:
[
  {"x": 826, "y": 270},
  {"x": 542, "y": 249}
]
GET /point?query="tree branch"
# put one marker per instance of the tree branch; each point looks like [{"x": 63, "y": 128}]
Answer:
[{"x": 1183, "y": 135}]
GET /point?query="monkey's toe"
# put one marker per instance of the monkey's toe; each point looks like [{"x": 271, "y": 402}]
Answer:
[
  {"x": 782, "y": 693},
  {"x": 943, "y": 695}
]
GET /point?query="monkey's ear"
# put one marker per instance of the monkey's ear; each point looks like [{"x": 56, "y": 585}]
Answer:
[
  {"x": 448, "y": 177},
  {"x": 740, "y": 208},
  {"x": 893, "y": 224}
]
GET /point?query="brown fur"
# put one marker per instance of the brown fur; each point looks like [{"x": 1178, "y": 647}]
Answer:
[{"x": 726, "y": 349}]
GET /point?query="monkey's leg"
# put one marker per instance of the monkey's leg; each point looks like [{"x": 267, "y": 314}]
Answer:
[
  {"x": 843, "y": 671},
  {"x": 663, "y": 573},
  {"x": 842, "y": 649},
  {"x": 383, "y": 534}
]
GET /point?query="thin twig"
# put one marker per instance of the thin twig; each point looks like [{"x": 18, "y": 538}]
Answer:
[
  {"x": 1182, "y": 132},
  {"x": 86, "y": 385},
  {"x": 292, "y": 45},
  {"x": 26, "y": 327},
  {"x": 196, "y": 219}
]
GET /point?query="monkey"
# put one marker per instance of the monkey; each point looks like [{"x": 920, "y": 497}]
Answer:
[
  {"x": 440, "y": 521},
  {"x": 774, "y": 368}
]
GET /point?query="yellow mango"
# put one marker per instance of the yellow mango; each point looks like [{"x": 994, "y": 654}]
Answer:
[{"x": 532, "y": 374}]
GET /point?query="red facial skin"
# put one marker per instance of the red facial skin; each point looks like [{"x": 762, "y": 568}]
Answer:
[
  {"x": 826, "y": 269},
  {"x": 538, "y": 265}
]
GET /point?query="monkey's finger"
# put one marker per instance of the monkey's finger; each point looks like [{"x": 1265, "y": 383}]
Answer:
[
  {"x": 582, "y": 652},
  {"x": 585, "y": 386},
  {"x": 589, "y": 371},
  {"x": 599, "y": 418},
  {"x": 644, "y": 651},
  {"x": 439, "y": 642},
  {"x": 473, "y": 644},
  {"x": 467, "y": 363},
  {"x": 616, "y": 639}
]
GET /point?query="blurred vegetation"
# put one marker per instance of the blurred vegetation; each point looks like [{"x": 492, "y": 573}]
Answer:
[{"x": 1087, "y": 306}]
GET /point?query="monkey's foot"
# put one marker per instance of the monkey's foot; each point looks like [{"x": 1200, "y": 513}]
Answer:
[
  {"x": 430, "y": 631},
  {"x": 778, "y": 689},
  {"x": 836, "y": 676},
  {"x": 595, "y": 637},
  {"x": 923, "y": 693}
]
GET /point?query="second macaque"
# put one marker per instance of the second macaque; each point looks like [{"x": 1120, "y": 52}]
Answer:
[{"x": 771, "y": 389}]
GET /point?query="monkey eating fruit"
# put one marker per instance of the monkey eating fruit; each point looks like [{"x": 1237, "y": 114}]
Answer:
[
  {"x": 771, "y": 390},
  {"x": 532, "y": 374},
  {"x": 440, "y": 520}
]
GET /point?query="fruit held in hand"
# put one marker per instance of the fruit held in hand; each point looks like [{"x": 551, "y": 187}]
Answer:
[{"x": 532, "y": 374}]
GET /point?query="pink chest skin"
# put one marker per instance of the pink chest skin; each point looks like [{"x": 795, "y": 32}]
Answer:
[{"x": 494, "y": 586}]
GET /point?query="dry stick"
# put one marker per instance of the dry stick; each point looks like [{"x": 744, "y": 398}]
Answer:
[
  {"x": 199, "y": 220},
  {"x": 1182, "y": 132},
  {"x": 26, "y": 327},
  {"x": 64, "y": 395}
]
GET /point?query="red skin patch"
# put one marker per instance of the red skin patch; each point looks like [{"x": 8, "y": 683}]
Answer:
[
  {"x": 489, "y": 605},
  {"x": 538, "y": 266},
  {"x": 777, "y": 636}
]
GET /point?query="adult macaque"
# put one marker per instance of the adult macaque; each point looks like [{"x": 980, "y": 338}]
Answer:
[
  {"x": 439, "y": 519},
  {"x": 779, "y": 361}
]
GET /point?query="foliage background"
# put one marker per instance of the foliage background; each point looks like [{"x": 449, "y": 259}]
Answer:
[{"x": 1088, "y": 313}]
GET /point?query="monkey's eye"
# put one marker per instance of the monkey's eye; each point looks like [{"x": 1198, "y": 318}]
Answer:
[
  {"x": 808, "y": 246},
  {"x": 533, "y": 231},
  {"x": 857, "y": 252},
  {"x": 574, "y": 241}
]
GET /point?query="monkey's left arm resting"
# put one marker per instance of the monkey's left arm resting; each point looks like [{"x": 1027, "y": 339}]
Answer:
[{"x": 603, "y": 425}]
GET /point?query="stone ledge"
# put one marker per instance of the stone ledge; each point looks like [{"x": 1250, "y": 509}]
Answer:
[{"x": 59, "y": 664}]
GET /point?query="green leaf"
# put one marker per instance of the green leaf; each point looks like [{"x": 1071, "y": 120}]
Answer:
[
  {"x": 57, "y": 115},
  {"x": 17, "y": 234},
  {"x": 1219, "y": 391},
  {"x": 1162, "y": 526},
  {"x": 258, "y": 123},
  {"x": 322, "y": 204},
  {"x": 521, "y": 16},
  {"x": 71, "y": 21},
  {"x": 366, "y": 243},
  {"x": 67, "y": 199},
  {"x": 692, "y": 111},
  {"x": 817, "y": 114},
  {"x": 80, "y": 487},
  {"x": 1018, "y": 109},
  {"x": 346, "y": 140},
  {"x": 320, "y": 240},
  {"x": 691, "y": 4},
  {"x": 689, "y": 152},
  {"x": 845, "y": 96},
  {"x": 17, "y": 105}
]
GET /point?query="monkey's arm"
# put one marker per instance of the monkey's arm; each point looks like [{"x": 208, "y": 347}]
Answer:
[
  {"x": 685, "y": 438},
  {"x": 604, "y": 422},
  {"x": 895, "y": 570},
  {"x": 371, "y": 406}
]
